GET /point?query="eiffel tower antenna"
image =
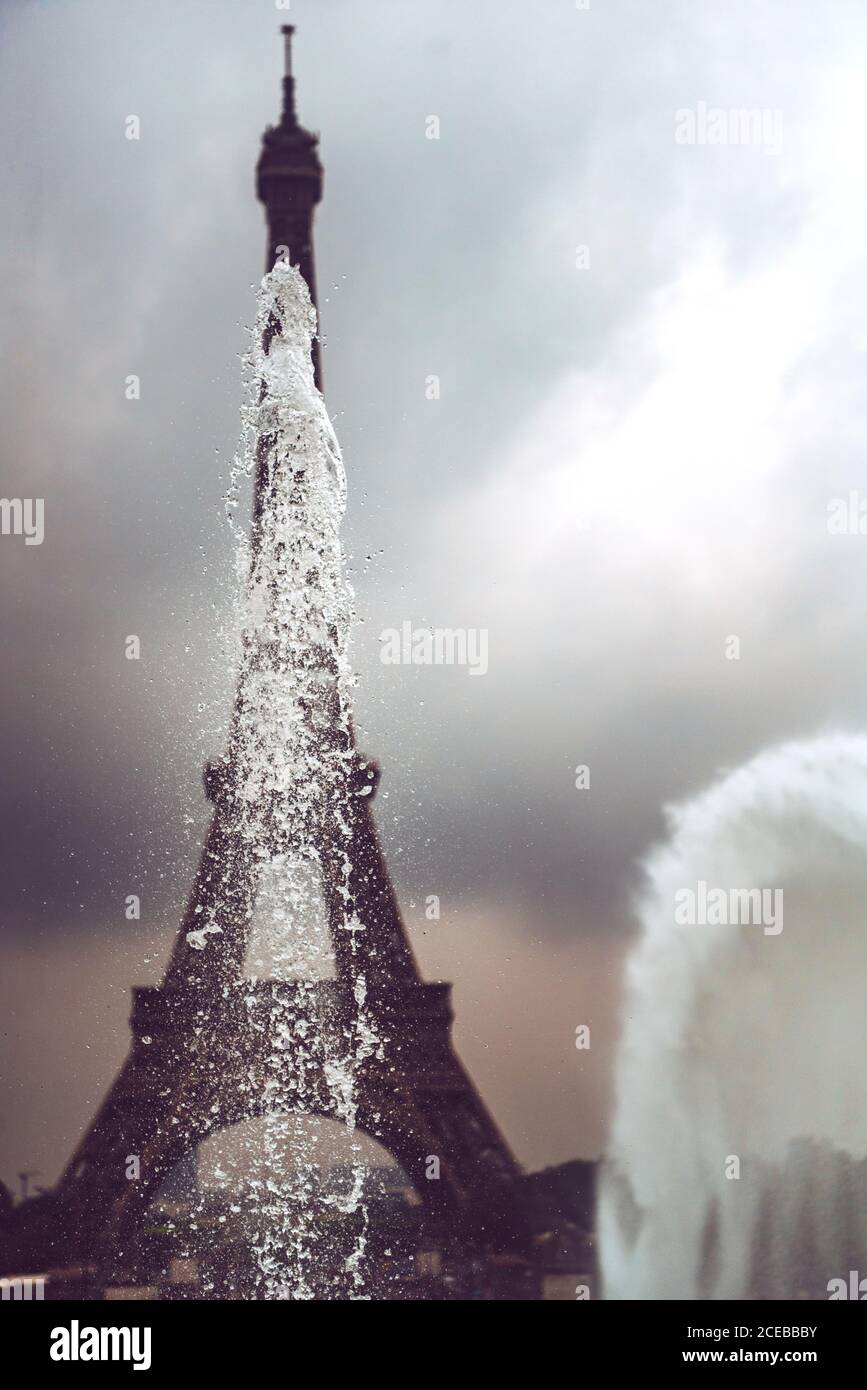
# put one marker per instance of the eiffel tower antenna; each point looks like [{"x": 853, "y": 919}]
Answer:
[
  {"x": 201, "y": 1057},
  {"x": 289, "y": 183}
]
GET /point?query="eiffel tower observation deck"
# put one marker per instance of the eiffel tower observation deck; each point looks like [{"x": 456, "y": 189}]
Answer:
[{"x": 212, "y": 1048}]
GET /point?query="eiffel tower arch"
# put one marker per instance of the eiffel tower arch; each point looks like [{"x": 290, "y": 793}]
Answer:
[
  {"x": 203, "y": 1054},
  {"x": 182, "y": 1083}
]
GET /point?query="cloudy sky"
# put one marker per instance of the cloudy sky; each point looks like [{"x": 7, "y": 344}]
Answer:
[{"x": 630, "y": 462}]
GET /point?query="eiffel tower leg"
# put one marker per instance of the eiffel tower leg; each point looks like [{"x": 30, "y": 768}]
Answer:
[
  {"x": 220, "y": 905},
  {"x": 198, "y": 1064},
  {"x": 381, "y": 950}
]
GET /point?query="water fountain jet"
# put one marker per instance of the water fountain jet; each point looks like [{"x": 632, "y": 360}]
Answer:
[{"x": 737, "y": 1163}]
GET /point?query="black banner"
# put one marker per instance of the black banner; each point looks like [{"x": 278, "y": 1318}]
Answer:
[{"x": 202, "y": 1338}]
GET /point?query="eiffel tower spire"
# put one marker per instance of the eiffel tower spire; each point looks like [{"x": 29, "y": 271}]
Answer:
[
  {"x": 289, "y": 183},
  {"x": 202, "y": 1054}
]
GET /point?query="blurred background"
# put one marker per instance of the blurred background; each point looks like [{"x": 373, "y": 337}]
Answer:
[{"x": 651, "y": 362}]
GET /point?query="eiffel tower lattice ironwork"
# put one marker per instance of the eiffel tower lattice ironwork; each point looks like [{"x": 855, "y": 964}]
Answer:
[{"x": 196, "y": 1046}]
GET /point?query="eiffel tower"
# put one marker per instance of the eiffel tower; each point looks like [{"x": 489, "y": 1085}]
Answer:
[{"x": 199, "y": 1037}]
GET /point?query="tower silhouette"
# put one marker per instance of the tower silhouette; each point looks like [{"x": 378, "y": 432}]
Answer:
[{"x": 202, "y": 1057}]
